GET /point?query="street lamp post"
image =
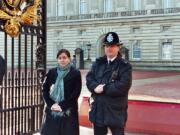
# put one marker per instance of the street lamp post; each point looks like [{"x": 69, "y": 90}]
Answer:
[{"x": 88, "y": 48}]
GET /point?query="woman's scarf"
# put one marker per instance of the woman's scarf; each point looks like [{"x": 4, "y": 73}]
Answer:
[{"x": 57, "y": 90}]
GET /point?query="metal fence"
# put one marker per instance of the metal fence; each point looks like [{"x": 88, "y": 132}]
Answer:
[{"x": 21, "y": 104}]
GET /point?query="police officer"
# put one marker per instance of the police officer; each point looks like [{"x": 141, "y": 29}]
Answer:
[
  {"x": 109, "y": 81},
  {"x": 2, "y": 68}
]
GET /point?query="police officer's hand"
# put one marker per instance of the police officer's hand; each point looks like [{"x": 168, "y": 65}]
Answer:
[
  {"x": 99, "y": 89},
  {"x": 55, "y": 107}
]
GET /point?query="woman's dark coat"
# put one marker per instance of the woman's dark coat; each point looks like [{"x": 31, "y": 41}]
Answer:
[
  {"x": 110, "y": 107},
  {"x": 66, "y": 125}
]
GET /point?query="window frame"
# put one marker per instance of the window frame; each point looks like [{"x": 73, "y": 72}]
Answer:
[
  {"x": 132, "y": 46},
  {"x": 83, "y": 5},
  {"x": 60, "y": 5},
  {"x": 167, "y": 4},
  {"x": 108, "y": 6},
  {"x": 136, "y": 5},
  {"x": 171, "y": 51}
]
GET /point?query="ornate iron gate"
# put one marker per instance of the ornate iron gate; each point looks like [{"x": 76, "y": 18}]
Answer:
[{"x": 25, "y": 55}]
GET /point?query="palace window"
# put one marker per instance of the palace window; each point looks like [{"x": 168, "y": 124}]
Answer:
[
  {"x": 83, "y": 7},
  {"x": 136, "y": 4},
  {"x": 60, "y": 8},
  {"x": 167, "y": 3},
  {"x": 136, "y": 50},
  {"x": 108, "y": 6},
  {"x": 167, "y": 50}
]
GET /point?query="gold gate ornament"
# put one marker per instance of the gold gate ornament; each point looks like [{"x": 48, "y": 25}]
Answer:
[
  {"x": 17, "y": 12},
  {"x": 13, "y": 3}
]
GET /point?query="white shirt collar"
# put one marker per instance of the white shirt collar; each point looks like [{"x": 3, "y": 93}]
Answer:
[{"x": 112, "y": 59}]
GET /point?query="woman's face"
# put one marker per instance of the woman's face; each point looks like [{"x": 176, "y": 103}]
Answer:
[{"x": 63, "y": 59}]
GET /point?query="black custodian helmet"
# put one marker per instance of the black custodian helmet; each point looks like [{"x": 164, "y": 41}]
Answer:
[{"x": 111, "y": 38}]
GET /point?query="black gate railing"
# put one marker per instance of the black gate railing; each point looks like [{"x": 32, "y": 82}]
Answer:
[{"x": 21, "y": 102}]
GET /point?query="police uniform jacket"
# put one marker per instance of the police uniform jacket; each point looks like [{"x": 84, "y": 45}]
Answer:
[{"x": 110, "y": 107}]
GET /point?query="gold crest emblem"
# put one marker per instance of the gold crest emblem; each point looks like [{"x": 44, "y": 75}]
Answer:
[
  {"x": 13, "y": 3},
  {"x": 22, "y": 13}
]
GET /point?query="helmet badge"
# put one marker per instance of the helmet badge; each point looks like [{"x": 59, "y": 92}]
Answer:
[{"x": 110, "y": 38}]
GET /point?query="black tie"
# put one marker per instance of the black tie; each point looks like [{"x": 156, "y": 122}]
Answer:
[{"x": 110, "y": 62}]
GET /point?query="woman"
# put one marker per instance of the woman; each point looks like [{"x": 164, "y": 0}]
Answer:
[{"x": 61, "y": 89}]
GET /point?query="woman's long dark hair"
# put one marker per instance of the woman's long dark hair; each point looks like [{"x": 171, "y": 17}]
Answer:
[{"x": 63, "y": 51}]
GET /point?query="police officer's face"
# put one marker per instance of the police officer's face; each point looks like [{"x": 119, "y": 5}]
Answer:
[
  {"x": 63, "y": 60},
  {"x": 111, "y": 50}
]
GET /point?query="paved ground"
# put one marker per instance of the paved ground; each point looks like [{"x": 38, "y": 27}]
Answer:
[
  {"x": 160, "y": 86},
  {"x": 89, "y": 131}
]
